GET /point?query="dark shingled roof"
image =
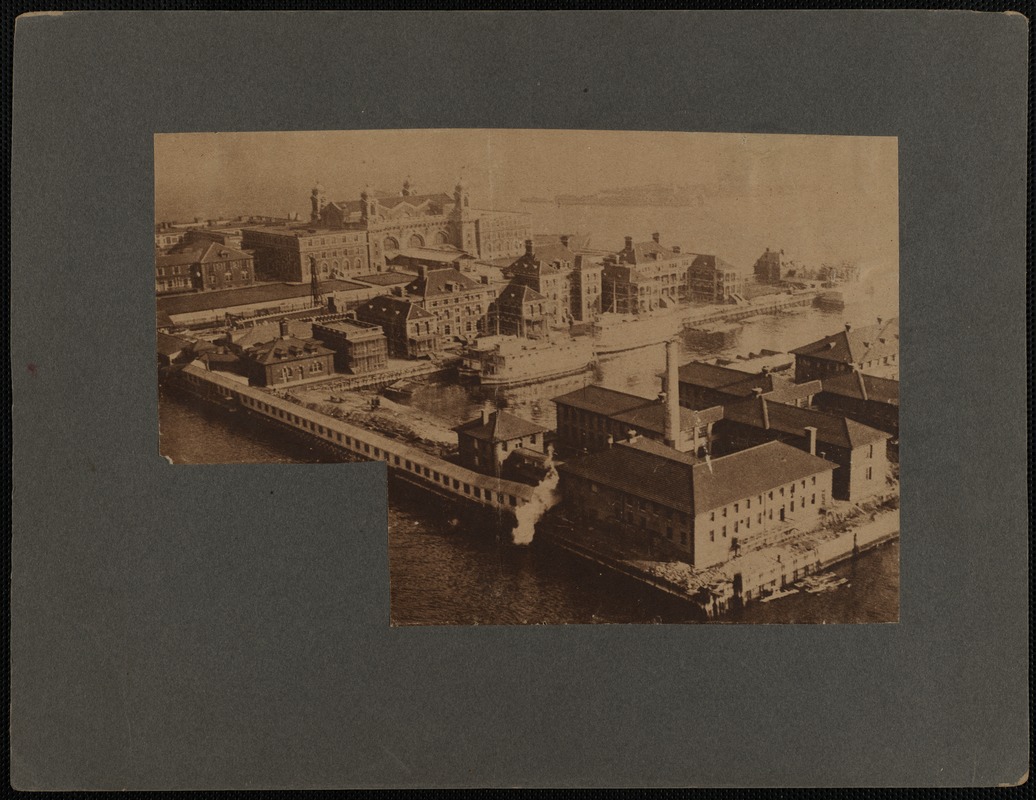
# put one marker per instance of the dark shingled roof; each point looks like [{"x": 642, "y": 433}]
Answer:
[
  {"x": 501, "y": 427},
  {"x": 856, "y": 345},
  {"x": 434, "y": 282},
  {"x": 384, "y": 306},
  {"x": 651, "y": 417},
  {"x": 864, "y": 387},
  {"x": 390, "y": 278},
  {"x": 739, "y": 384},
  {"x": 713, "y": 263},
  {"x": 246, "y": 295},
  {"x": 658, "y": 473},
  {"x": 280, "y": 350},
  {"x": 602, "y": 401},
  {"x": 169, "y": 345},
  {"x": 838, "y": 431},
  {"x": 519, "y": 293}
]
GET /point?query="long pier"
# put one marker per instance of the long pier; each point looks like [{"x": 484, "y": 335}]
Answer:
[
  {"x": 444, "y": 478},
  {"x": 735, "y": 313}
]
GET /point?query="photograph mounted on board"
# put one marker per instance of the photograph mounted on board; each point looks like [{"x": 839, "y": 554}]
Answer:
[{"x": 616, "y": 377}]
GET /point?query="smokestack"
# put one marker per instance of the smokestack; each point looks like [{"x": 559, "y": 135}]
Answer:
[
  {"x": 672, "y": 392},
  {"x": 811, "y": 436},
  {"x": 564, "y": 240},
  {"x": 284, "y": 329},
  {"x": 766, "y": 413},
  {"x": 656, "y": 237},
  {"x": 528, "y": 247},
  {"x": 629, "y": 242}
]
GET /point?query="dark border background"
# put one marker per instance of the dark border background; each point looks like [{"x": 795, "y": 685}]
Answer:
[{"x": 178, "y": 627}]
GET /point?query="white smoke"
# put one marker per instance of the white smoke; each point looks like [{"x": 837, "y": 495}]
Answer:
[{"x": 544, "y": 497}]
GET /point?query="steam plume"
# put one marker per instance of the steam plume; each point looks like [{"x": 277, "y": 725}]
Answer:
[{"x": 544, "y": 497}]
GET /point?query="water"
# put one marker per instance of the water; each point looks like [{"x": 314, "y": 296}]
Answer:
[{"x": 445, "y": 575}]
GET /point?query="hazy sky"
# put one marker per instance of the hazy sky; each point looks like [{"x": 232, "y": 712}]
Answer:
[{"x": 824, "y": 181}]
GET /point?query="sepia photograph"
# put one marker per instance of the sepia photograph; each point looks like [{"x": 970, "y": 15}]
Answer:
[{"x": 613, "y": 376}]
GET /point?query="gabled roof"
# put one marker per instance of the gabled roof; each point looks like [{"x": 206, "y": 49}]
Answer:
[
  {"x": 856, "y": 345},
  {"x": 500, "y": 427},
  {"x": 602, "y": 401},
  {"x": 647, "y": 469},
  {"x": 739, "y": 384},
  {"x": 285, "y": 349},
  {"x": 714, "y": 263},
  {"x": 385, "y": 307},
  {"x": 543, "y": 259},
  {"x": 651, "y": 417},
  {"x": 434, "y": 283},
  {"x": 863, "y": 387},
  {"x": 185, "y": 257},
  {"x": 519, "y": 293},
  {"x": 750, "y": 472},
  {"x": 216, "y": 252},
  {"x": 710, "y": 376},
  {"x": 831, "y": 429},
  {"x": 169, "y": 345},
  {"x": 649, "y": 253}
]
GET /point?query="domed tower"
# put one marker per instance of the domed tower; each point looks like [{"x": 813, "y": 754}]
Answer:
[
  {"x": 317, "y": 201},
  {"x": 368, "y": 204},
  {"x": 408, "y": 187},
  {"x": 460, "y": 197}
]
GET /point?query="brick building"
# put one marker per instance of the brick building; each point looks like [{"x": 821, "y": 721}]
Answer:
[
  {"x": 713, "y": 280},
  {"x": 411, "y": 331},
  {"x": 704, "y": 385},
  {"x": 705, "y": 508},
  {"x": 520, "y": 310},
  {"x": 570, "y": 280},
  {"x": 283, "y": 252},
  {"x": 488, "y": 441},
  {"x": 359, "y": 347},
  {"x": 203, "y": 265},
  {"x": 858, "y": 450},
  {"x": 768, "y": 267},
  {"x": 644, "y": 276},
  {"x": 867, "y": 348},
  {"x": 286, "y": 360},
  {"x": 865, "y": 398},
  {"x": 459, "y": 303}
]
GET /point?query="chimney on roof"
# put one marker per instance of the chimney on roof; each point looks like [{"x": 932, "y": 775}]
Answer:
[
  {"x": 611, "y": 440},
  {"x": 848, "y": 327},
  {"x": 284, "y": 329},
  {"x": 757, "y": 391},
  {"x": 671, "y": 402},
  {"x": 528, "y": 247},
  {"x": 564, "y": 240},
  {"x": 657, "y": 237},
  {"x": 629, "y": 243},
  {"x": 811, "y": 437},
  {"x": 766, "y": 413},
  {"x": 485, "y": 415},
  {"x": 632, "y": 435},
  {"x": 879, "y": 320},
  {"x": 676, "y": 249}
]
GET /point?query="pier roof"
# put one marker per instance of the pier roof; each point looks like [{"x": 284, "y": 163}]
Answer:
[
  {"x": 856, "y": 345},
  {"x": 499, "y": 427},
  {"x": 833, "y": 430},
  {"x": 863, "y": 387},
  {"x": 602, "y": 401}
]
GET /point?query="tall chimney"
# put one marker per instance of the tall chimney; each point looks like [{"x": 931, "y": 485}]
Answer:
[
  {"x": 656, "y": 237},
  {"x": 672, "y": 393},
  {"x": 811, "y": 436},
  {"x": 528, "y": 247},
  {"x": 284, "y": 329},
  {"x": 629, "y": 242}
]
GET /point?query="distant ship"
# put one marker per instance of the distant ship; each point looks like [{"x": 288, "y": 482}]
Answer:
[
  {"x": 512, "y": 361},
  {"x": 617, "y": 333}
]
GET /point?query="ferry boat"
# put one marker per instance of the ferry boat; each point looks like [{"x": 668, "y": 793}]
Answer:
[
  {"x": 513, "y": 361},
  {"x": 617, "y": 333}
]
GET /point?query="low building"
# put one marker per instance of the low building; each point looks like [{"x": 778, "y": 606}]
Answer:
[
  {"x": 207, "y": 308},
  {"x": 706, "y": 508},
  {"x": 713, "y": 280},
  {"x": 203, "y": 265},
  {"x": 705, "y": 385},
  {"x": 360, "y": 347},
  {"x": 411, "y": 331},
  {"x": 858, "y": 450},
  {"x": 488, "y": 441},
  {"x": 286, "y": 360},
  {"x": 865, "y": 398},
  {"x": 864, "y": 348},
  {"x": 519, "y": 310}
]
